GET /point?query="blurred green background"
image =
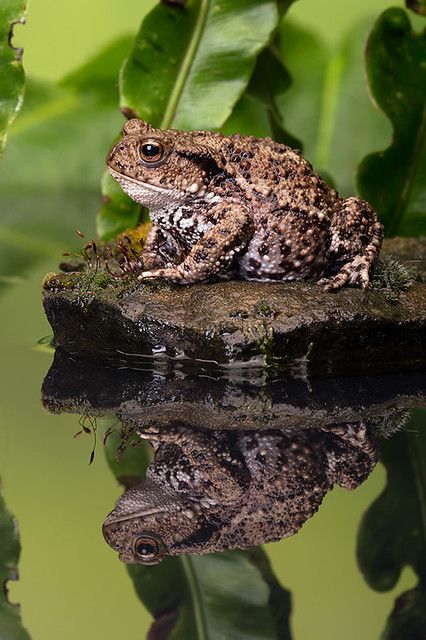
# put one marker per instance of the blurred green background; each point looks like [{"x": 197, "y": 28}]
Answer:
[
  {"x": 72, "y": 585},
  {"x": 59, "y": 36}
]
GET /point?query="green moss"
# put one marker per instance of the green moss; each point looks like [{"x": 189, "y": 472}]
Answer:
[
  {"x": 263, "y": 308},
  {"x": 392, "y": 277},
  {"x": 93, "y": 280}
]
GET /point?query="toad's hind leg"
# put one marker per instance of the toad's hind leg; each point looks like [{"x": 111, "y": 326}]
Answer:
[{"x": 355, "y": 239}]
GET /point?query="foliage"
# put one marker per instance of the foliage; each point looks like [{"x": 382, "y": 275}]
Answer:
[
  {"x": 326, "y": 108},
  {"x": 187, "y": 56},
  {"x": 419, "y": 6},
  {"x": 327, "y": 104},
  {"x": 394, "y": 180},
  {"x": 392, "y": 533},
  {"x": 11, "y": 70},
  {"x": 283, "y": 81},
  {"x": 232, "y": 595},
  {"x": 41, "y": 208},
  {"x": 239, "y": 66},
  {"x": 10, "y": 621}
]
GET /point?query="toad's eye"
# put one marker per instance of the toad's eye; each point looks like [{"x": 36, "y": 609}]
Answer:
[
  {"x": 151, "y": 151},
  {"x": 147, "y": 548}
]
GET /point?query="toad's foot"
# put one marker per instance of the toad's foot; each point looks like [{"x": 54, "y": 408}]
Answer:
[{"x": 354, "y": 273}]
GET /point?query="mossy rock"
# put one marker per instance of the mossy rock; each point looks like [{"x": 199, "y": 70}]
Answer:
[{"x": 296, "y": 326}]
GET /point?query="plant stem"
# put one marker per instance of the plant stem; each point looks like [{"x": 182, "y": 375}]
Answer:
[{"x": 187, "y": 61}]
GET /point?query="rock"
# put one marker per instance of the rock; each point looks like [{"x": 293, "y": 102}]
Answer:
[
  {"x": 154, "y": 399},
  {"x": 295, "y": 326}
]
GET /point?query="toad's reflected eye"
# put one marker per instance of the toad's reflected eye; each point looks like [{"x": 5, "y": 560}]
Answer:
[
  {"x": 151, "y": 151},
  {"x": 147, "y": 548}
]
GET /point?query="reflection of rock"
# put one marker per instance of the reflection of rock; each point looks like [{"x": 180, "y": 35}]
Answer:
[
  {"x": 149, "y": 398},
  {"x": 222, "y": 490},
  {"x": 236, "y": 462},
  {"x": 291, "y": 325}
]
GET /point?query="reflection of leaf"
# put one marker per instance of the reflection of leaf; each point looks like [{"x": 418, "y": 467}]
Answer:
[
  {"x": 419, "y": 6},
  {"x": 10, "y": 622},
  {"x": 187, "y": 69},
  {"x": 408, "y": 618},
  {"x": 327, "y": 106},
  {"x": 393, "y": 530},
  {"x": 128, "y": 463},
  {"x": 210, "y": 597},
  {"x": 229, "y": 595},
  {"x": 394, "y": 180},
  {"x": 49, "y": 182},
  {"x": 12, "y": 77}
]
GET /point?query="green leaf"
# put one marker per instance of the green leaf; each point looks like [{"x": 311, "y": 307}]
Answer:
[
  {"x": 118, "y": 212},
  {"x": 12, "y": 77},
  {"x": 10, "y": 621},
  {"x": 328, "y": 106},
  {"x": 269, "y": 80},
  {"x": 394, "y": 180},
  {"x": 228, "y": 595},
  {"x": 188, "y": 67},
  {"x": 127, "y": 463}
]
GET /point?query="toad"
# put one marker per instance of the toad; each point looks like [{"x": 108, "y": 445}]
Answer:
[
  {"x": 224, "y": 490},
  {"x": 242, "y": 207}
]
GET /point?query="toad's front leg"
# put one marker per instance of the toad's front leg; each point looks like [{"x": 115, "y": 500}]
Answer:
[{"x": 215, "y": 251}]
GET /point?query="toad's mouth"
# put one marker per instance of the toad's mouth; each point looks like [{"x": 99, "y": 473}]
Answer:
[
  {"x": 122, "y": 177},
  {"x": 114, "y": 518}
]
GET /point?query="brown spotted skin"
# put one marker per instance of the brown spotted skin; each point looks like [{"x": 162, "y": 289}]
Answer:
[
  {"x": 239, "y": 206},
  {"x": 208, "y": 492}
]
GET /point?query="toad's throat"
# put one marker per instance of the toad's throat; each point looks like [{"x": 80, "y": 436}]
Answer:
[
  {"x": 114, "y": 519},
  {"x": 122, "y": 177}
]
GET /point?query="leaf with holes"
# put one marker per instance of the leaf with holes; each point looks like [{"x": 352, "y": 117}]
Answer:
[
  {"x": 12, "y": 77},
  {"x": 394, "y": 180}
]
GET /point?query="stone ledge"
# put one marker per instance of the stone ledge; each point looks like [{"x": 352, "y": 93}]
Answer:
[{"x": 288, "y": 325}]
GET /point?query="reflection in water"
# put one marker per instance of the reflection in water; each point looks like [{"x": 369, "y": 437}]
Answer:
[
  {"x": 212, "y": 491},
  {"x": 237, "y": 463}
]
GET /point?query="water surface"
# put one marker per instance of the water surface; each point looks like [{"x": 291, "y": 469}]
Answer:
[{"x": 61, "y": 502}]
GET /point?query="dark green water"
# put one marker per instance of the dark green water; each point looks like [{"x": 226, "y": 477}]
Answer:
[{"x": 73, "y": 585}]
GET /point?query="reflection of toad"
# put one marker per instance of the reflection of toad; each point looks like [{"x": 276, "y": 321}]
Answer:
[
  {"x": 242, "y": 205},
  {"x": 206, "y": 493}
]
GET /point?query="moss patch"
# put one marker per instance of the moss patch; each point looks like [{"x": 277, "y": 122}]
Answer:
[{"x": 392, "y": 277}]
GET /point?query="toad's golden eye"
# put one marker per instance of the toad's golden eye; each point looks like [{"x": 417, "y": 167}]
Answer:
[
  {"x": 151, "y": 151},
  {"x": 147, "y": 548}
]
